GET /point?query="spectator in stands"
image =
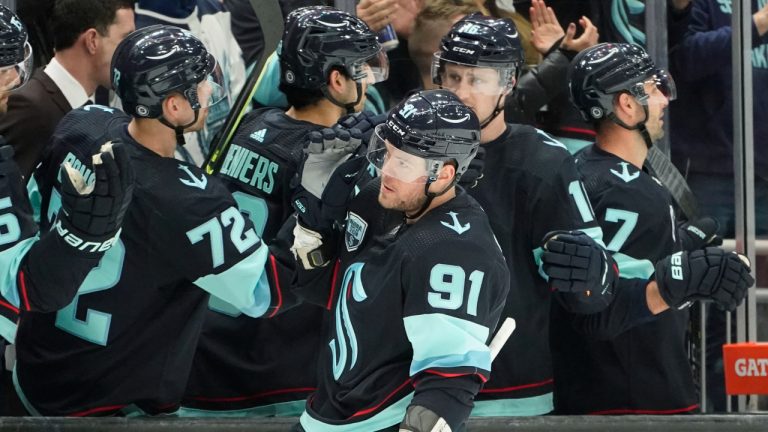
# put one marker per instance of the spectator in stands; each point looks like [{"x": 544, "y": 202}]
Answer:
[{"x": 86, "y": 33}]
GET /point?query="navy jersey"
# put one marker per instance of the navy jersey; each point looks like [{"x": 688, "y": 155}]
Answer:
[
  {"x": 228, "y": 375},
  {"x": 530, "y": 187},
  {"x": 413, "y": 307},
  {"x": 642, "y": 369},
  {"x": 128, "y": 337},
  {"x": 17, "y": 231},
  {"x": 40, "y": 272}
]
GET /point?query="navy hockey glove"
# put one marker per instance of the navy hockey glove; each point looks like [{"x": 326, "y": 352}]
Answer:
[
  {"x": 91, "y": 215},
  {"x": 704, "y": 274},
  {"x": 582, "y": 273},
  {"x": 328, "y": 173},
  {"x": 699, "y": 233},
  {"x": 420, "y": 419},
  {"x": 363, "y": 121},
  {"x": 475, "y": 170}
]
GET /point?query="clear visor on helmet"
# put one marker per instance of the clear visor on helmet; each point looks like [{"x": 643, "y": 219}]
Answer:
[
  {"x": 393, "y": 162},
  {"x": 661, "y": 81},
  {"x": 456, "y": 77},
  {"x": 15, "y": 76},
  {"x": 210, "y": 91},
  {"x": 371, "y": 70}
]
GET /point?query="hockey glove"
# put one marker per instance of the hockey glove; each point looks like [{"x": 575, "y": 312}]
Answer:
[
  {"x": 582, "y": 273},
  {"x": 699, "y": 233},
  {"x": 475, "y": 170},
  {"x": 328, "y": 172},
  {"x": 91, "y": 215},
  {"x": 704, "y": 274},
  {"x": 420, "y": 419},
  {"x": 363, "y": 121}
]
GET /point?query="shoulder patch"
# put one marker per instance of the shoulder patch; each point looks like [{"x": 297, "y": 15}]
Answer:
[
  {"x": 355, "y": 232},
  {"x": 455, "y": 224},
  {"x": 624, "y": 173},
  {"x": 191, "y": 180},
  {"x": 550, "y": 140}
]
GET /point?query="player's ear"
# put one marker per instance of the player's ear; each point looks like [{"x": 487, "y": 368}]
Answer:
[
  {"x": 336, "y": 81},
  {"x": 624, "y": 105},
  {"x": 173, "y": 106},
  {"x": 447, "y": 172}
]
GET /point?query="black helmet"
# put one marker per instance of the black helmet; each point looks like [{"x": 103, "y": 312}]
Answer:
[
  {"x": 318, "y": 38},
  {"x": 598, "y": 73},
  {"x": 14, "y": 48},
  {"x": 155, "y": 61},
  {"x": 432, "y": 125},
  {"x": 481, "y": 41}
]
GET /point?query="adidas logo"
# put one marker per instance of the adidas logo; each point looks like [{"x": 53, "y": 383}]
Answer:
[{"x": 259, "y": 135}]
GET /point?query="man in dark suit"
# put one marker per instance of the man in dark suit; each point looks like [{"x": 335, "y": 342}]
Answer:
[{"x": 86, "y": 33}]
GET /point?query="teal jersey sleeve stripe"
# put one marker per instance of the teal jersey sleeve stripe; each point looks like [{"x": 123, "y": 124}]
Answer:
[
  {"x": 10, "y": 260},
  {"x": 389, "y": 416},
  {"x": 232, "y": 284},
  {"x": 34, "y": 198},
  {"x": 633, "y": 268},
  {"x": 7, "y": 329},
  {"x": 440, "y": 340}
]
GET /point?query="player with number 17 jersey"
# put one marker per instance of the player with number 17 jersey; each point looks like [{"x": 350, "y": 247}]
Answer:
[{"x": 128, "y": 338}]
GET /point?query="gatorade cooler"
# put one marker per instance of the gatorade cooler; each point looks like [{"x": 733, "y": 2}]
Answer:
[{"x": 746, "y": 368}]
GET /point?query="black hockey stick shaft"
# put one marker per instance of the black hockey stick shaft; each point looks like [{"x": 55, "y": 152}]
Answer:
[
  {"x": 271, "y": 20},
  {"x": 675, "y": 183}
]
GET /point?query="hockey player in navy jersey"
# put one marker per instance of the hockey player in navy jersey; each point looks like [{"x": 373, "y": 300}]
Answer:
[
  {"x": 631, "y": 357},
  {"x": 42, "y": 271},
  {"x": 127, "y": 340},
  {"x": 415, "y": 283},
  {"x": 328, "y": 58},
  {"x": 529, "y": 187}
]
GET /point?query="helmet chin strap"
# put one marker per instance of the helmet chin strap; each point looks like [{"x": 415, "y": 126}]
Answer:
[
  {"x": 640, "y": 127},
  {"x": 430, "y": 196},
  {"x": 350, "y": 107},
  {"x": 179, "y": 129},
  {"x": 495, "y": 112}
]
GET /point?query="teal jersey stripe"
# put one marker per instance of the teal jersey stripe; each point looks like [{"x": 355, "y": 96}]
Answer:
[
  {"x": 232, "y": 284},
  {"x": 633, "y": 268},
  {"x": 440, "y": 340},
  {"x": 10, "y": 260},
  {"x": 283, "y": 409},
  {"x": 530, "y": 406},
  {"x": 7, "y": 329},
  {"x": 391, "y": 415},
  {"x": 20, "y": 393},
  {"x": 34, "y": 198}
]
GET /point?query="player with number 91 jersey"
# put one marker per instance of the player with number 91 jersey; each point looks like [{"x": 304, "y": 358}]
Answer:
[
  {"x": 413, "y": 307},
  {"x": 127, "y": 340}
]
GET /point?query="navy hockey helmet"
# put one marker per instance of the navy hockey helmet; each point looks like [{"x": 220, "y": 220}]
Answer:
[
  {"x": 15, "y": 51},
  {"x": 481, "y": 41},
  {"x": 156, "y": 61},
  {"x": 319, "y": 38},
  {"x": 431, "y": 125},
  {"x": 598, "y": 73}
]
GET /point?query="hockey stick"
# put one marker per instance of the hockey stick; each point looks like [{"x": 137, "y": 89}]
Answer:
[
  {"x": 271, "y": 19},
  {"x": 671, "y": 178},
  {"x": 501, "y": 337}
]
